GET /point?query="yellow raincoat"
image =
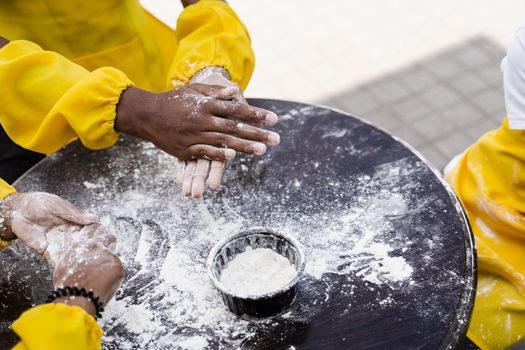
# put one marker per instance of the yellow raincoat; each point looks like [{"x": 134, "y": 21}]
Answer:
[
  {"x": 96, "y": 50},
  {"x": 490, "y": 182}
]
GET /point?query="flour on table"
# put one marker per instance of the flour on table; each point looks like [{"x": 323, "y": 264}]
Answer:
[
  {"x": 90, "y": 185},
  {"x": 257, "y": 272}
]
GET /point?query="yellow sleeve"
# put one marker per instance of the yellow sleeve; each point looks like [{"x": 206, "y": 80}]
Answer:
[
  {"x": 489, "y": 179},
  {"x": 5, "y": 189},
  {"x": 47, "y": 101},
  {"x": 57, "y": 326},
  {"x": 210, "y": 34}
]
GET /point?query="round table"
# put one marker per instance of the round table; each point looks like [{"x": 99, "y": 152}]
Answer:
[{"x": 390, "y": 255}]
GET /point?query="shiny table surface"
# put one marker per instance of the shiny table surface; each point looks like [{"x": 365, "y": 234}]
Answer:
[{"x": 328, "y": 164}]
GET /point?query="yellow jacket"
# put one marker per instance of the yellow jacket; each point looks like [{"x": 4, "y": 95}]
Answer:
[
  {"x": 96, "y": 50},
  {"x": 490, "y": 182}
]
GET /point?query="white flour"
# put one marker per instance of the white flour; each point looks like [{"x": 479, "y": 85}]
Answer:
[
  {"x": 56, "y": 242},
  {"x": 257, "y": 272}
]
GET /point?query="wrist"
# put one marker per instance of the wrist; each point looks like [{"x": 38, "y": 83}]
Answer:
[
  {"x": 209, "y": 73},
  {"x": 79, "y": 301},
  {"x": 134, "y": 104},
  {"x": 6, "y": 218}
]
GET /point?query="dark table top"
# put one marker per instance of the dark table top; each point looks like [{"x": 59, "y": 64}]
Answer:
[{"x": 390, "y": 257}]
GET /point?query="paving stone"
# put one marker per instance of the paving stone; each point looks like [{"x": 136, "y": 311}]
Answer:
[
  {"x": 439, "y": 96},
  {"x": 468, "y": 83},
  {"x": 454, "y": 144},
  {"x": 473, "y": 56},
  {"x": 444, "y": 66},
  {"x": 359, "y": 101},
  {"x": 411, "y": 107},
  {"x": 388, "y": 90},
  {"x": 489, "y": 101},
  {"x": 461, "y": 114},
  {"x": 491, "y": 73},
  {"x": 417, "y": 78},
  {"x": 477, "y": 130},
  {"x": 495, "y": 51},
  {"x": 433, "y": 126}
]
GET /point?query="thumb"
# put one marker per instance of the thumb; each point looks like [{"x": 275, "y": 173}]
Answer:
[{"x": 67, "y": 211}]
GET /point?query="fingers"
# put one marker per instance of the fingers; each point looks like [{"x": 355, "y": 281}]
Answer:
[
  {"x": 198, "y": 173},
  {"x": 188, "y": 177},
  {"x": 89, "y": 231},
  {"x": 242, "y": 111},
  {"x": 179, "y": 171},
  {"x": 227, "y": 141},
  {"x": 234, "y": 93},
  {"x": 210, "y": 152},
  {"x": 67, "y": 211},
  {"x": 199, "y": 177},
  {"x": 246, "y": 131},
  {"x": 216, "y": 174}
]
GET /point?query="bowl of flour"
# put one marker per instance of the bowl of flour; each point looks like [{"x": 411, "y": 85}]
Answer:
[{"x": 256, "y": 271}]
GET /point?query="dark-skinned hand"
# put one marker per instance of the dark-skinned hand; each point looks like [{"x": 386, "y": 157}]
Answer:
[
  {"x": 193, "y": 175},
  {"x": 194, "y": 122}
]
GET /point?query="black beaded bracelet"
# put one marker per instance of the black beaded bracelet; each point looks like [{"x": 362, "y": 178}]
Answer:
[{"x": 76, "y": 292}]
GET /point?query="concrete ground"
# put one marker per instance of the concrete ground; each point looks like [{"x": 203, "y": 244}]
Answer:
[{"x": 427, "y": 71}]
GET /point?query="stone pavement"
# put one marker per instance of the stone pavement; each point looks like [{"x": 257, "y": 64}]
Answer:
[{"x": 440, "y": 105}]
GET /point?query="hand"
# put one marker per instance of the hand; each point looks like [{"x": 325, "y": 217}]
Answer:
[
  {"x": 88, "y": 262},
  {"x": 194, "y": 175},
  {"x": 195, "y": 121},
  {"x": 29, "y": 216}
]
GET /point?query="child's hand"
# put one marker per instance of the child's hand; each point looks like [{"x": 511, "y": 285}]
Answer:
[
  {"x": 29, "y": 216},
  {"x": 193, "y": 175},
  {"x": 190, "y": 122},
  {"x": 88, "y": 262}
]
